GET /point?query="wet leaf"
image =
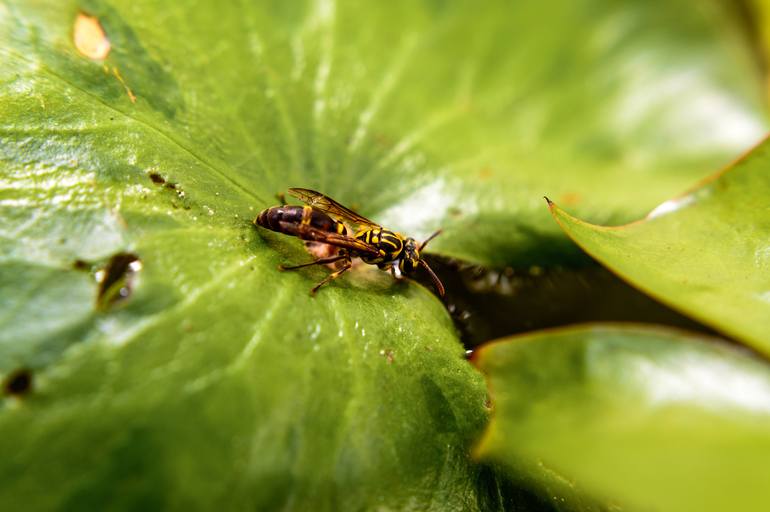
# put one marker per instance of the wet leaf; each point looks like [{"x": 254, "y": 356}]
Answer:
[
  {"x": 705, "y": 253},
  {"x": 640, "y": 419}
]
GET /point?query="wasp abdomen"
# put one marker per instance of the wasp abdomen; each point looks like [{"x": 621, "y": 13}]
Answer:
[{"x": 273, "y": 218}]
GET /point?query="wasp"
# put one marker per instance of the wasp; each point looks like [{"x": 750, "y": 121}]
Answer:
[{"x": 322, "y": 219}]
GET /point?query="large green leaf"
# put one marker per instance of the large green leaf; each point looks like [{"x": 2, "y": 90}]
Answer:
[
  {"x": 705, "y": 253},
  {"x": 218, "y": 380},
  {"x": 641, "y": 419},
  {"x": 417, "y": 115}
]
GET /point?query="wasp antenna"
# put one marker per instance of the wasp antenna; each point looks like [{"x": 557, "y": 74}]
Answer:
[
  {"x": 431, "y": 237},
  {"x": 436, "y": 281}
]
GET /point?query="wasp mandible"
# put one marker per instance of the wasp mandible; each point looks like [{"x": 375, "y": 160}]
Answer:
[{"x": 321, "y": 220}]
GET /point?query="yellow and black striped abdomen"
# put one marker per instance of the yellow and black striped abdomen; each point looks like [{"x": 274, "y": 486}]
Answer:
[
  {"x": 389, "y": 244},
  {"x": 277, "y": 217}
]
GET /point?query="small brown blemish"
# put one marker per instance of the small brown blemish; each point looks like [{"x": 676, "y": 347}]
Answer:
[
  {"x": 455, "y": 211},
  {"x": 157, "y": 178},
  {"x": 388, "y": 355},
  {"x": 81, "y": 265},
  {"x": 89, "y": 37},
  {"x": 116, "y": 279},
  {"x": 485, "y": 173},
  {"x": 18, "y": 382}
]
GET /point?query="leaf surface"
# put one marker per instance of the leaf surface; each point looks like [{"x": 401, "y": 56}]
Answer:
[
  {"x": 704, "y": 253},
  {"x": 637, "y": 418}
]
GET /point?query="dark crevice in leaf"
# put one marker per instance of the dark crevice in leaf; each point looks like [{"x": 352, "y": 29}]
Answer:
[
  {"x": 496, "y": 491},
  {"x": 489, "y": 304}
]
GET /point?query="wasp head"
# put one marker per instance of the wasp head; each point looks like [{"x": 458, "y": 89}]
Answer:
[{"x": 410, "y": 258}]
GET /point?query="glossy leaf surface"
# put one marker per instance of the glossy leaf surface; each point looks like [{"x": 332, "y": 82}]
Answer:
[
  {"x": 202, "y": 376},
  {"x": 639, "y": 419},
  {"x": 705, "y": 253}
]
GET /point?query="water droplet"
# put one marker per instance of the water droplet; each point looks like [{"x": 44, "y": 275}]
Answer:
[{"x": 116, "y": 279}]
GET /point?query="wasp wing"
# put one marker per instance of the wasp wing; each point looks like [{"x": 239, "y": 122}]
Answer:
[
  {"x": 329, "y": 205},
  {"x": 327, "y": 237}
]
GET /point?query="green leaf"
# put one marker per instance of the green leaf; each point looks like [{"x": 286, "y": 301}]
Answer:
[
  {"x": 704, "y": 253},
  {"x": 206, "y": 378},
  {"x": 639, "y": 418}
]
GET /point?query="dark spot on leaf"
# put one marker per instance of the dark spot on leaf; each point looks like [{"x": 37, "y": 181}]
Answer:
[
  {"x": 81, "y": 265},
  {"x": 18, "y": 383},
  {"x": 116, "y": 279},
  {"x": 170, "y": 185},
  {"x": 455, "y": 211},
  {"x": 157, "y": 178}
]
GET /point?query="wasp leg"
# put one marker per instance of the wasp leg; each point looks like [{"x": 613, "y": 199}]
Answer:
[
  {"x": 281, "y": 197},
  {"x": 321, "y": 261},
  {"x": 332, "y": 276}
]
